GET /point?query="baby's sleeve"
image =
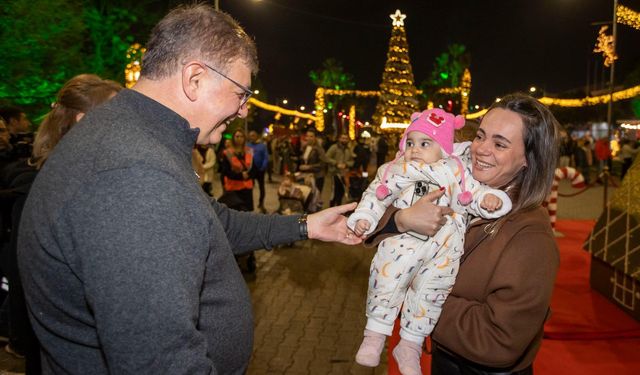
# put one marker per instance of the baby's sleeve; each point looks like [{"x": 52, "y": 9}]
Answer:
[
  {"x": 398, "y": 176},
  {"x": 479, "y": 193}
]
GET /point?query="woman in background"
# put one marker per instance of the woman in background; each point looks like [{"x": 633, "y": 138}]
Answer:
[
  {"x": 78, "y": 96},
  {"x": 237, "y": 168}
]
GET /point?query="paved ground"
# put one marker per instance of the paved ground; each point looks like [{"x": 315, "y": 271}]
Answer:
[{"x": 308, "y": 300}]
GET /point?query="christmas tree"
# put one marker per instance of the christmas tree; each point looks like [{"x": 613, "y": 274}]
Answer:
[{"x": 397, "y": 91}]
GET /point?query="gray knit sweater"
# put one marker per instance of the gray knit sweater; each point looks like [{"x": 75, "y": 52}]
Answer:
[{"x": 128, "y": 267}]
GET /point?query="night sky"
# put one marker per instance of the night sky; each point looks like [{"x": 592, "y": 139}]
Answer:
[{"x": 514, "y": 44}]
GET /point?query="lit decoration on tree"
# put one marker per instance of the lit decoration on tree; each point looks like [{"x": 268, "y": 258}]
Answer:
[
  {"x": 604, "y": 44},
  {"x": 628, "y": 17},
  {"x": 397, "y": 91},
  {"x": 132, "y": 70},
  {"x": 352, "y": 122},
  {"x": 466, "y": 90}
]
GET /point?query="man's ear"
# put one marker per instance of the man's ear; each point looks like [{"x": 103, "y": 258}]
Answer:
[{"x": 192, "y": 80}]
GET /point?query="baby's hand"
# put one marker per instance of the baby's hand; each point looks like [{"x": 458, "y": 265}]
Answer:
[
  {"x": 361, "y": 227},
  {"x": 491, "y": 203}
]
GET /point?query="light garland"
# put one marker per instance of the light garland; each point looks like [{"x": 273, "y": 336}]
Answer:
[
  {"x": 630, "y": 126},
  {"x": 628, "y": 17},
  {"x": 280, "y": 110},
  {"x": 592, "y": 100},
  {"x": 133, "y": 68},
  {"x": 352, "y": 122},
  {"x": 392, "y": 125},
  {"x": 604, "y": 44}
]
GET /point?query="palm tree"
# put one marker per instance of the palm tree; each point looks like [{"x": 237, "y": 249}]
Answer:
[{"x": 332, "y": 76}]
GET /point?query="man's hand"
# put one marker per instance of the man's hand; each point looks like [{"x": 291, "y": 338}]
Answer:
[
  {"x": 304, "y": 167},
  {"x": 341, "y": 165},
  {"x": 424, "y": 217},
  {"x": 331, "y": 226},
  {"x": 245, "y": 175}
]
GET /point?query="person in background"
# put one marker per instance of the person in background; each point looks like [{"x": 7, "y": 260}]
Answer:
[
  {"x": 492, "y": 321},
  {"x": 127, "y": 265},
  {"x": 78, "y": 96},
  {"x": 313, "y": 158},
  {"x": 238, "y": 167},
  {"x": 208, "y": 168},
  {"x": 6, "y": 151},
  {"x": 382, "y": 149},
  {"x": 583, "y": 159},
  {"x": 20, "y": 136},
  {"x": 222, "y": 147},
  {"x": 197, "y": 163},
  {"x": 362, "y": 155},
  {"x": 567, "y": 147},
  {"x": 339, "y": 160},
  {"x": 628, "y": 152},
  {"x": 261, "y": 162},
  {"x": 603, "y": 156},
  {"x": 16, "y": 120}
]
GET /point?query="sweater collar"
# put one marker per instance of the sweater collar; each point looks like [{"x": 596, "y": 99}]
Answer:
[{"x": 160, "y": 121}]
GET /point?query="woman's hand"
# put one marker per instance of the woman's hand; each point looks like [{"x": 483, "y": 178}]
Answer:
[
  {"x": 331, "y": 226},
  {"x": 424, "y": 217}
]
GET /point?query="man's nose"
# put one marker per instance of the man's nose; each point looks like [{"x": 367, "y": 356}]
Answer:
[{"x": 243, "y": 111}]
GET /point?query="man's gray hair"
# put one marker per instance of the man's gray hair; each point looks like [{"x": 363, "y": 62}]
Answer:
[{"x": 193, "y": 32}]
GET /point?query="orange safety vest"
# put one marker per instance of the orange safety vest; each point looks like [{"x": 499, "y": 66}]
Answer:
[{"x": 238, "y": 167}]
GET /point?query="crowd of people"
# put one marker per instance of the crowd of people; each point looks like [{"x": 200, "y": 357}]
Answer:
[
  {"x": 590, "y": 156},
  {"x": 245, "y": 161}
]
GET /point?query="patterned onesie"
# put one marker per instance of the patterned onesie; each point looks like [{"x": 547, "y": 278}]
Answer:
[{"x": 410, "y": 271}]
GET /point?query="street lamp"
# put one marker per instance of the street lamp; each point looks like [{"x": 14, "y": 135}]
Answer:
[
  {"x": 532, "y": 89},
  {"x": 285, "y": 101}
]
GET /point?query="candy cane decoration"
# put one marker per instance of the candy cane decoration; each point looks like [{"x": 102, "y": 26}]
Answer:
[{"x": 577, "y": 181}]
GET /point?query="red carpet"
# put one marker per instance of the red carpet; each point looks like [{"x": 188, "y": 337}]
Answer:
[{"x": 586, "y": 334}]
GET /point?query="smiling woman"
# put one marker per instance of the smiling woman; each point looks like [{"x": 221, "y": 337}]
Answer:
[{"x": 492, "y": 320}]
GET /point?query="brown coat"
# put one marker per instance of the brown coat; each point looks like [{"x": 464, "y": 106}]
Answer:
[{"x": 495, "y": 313}]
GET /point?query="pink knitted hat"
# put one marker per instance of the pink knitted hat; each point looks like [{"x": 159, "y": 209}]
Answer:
[
  {"x": 437, "y": 124},
  {"x": 440, "y": 126}
]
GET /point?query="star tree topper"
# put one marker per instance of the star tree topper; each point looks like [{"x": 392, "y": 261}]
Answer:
[{"x": 398, "y": 18}]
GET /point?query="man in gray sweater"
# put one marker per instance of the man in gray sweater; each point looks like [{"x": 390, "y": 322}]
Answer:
[{"x": 128, "y": 266}]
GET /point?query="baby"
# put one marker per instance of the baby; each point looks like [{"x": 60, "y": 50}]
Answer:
[{"x": 412, "y": 273}]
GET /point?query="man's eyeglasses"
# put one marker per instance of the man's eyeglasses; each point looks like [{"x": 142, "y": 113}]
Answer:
[{"x": 246, "y": 91}]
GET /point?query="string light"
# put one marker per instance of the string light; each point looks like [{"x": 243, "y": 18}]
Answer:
[
  {"x": 604, "y": 44},
  {"x": 133, "y": 68},
  {"x": 592, "y": 100},
  {"x": 280, "y": 110},
  {"x": 628, "y": 17},
  {"x": 352, "y": 122}
]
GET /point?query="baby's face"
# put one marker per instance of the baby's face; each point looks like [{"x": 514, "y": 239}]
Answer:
[{"x": 421, "y": 148}]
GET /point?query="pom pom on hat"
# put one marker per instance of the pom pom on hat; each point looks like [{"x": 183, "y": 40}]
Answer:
[
  {"x": 465, "y": 197},
  {"x": 382, "y": 191}
]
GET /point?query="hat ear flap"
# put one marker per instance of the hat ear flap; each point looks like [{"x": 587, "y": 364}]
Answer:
[{"x": 458, "y": 122}]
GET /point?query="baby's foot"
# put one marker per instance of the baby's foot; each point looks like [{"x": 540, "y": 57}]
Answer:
[
  {"x": 407, "y": 354},
  {"x": 370, "y": 349}
]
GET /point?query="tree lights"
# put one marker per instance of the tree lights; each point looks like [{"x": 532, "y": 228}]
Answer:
[{"x": 397, "y": 99}]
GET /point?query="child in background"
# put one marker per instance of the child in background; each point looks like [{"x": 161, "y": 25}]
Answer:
[{"x": 410, "y": 272}]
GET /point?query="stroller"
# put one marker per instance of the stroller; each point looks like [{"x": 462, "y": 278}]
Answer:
[
  {"x": 298, "y": 194},
  {"x": 357, "y": 182}
]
